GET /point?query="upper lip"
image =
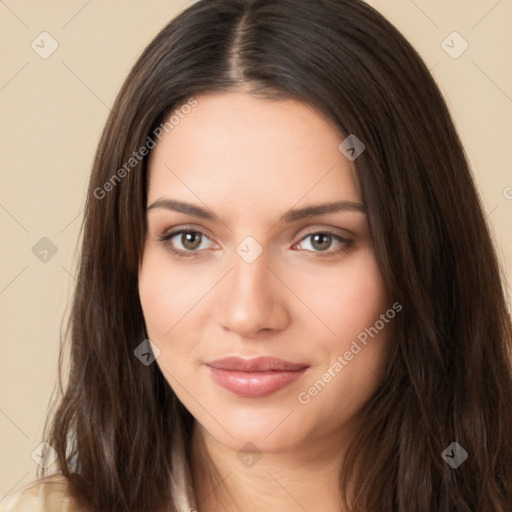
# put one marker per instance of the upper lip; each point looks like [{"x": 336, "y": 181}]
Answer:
[{"x": 256, "y": 364}]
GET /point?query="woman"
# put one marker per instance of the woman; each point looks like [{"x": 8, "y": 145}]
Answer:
[{"x": 280, "y": 202}]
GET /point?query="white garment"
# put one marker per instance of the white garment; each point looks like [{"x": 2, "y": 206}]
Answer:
[{"x": 50, "y": 494}]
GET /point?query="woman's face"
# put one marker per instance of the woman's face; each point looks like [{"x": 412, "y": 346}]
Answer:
[{"x": 257, "y": 276}]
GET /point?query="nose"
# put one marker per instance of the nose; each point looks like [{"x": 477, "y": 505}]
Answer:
[{"x": 252, "y": 299}]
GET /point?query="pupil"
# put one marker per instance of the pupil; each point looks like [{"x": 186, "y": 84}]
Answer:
[
  {"x": 320, "y": 236},
  {"x": 189, "y": 240}
]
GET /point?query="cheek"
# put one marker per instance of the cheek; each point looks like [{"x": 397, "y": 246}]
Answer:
[
  {"x": 163, "y": 298},
  {"x": 348, "y": 300},
  {"x": 352, "y": 358},
  {"x": 350, "y": 304},
  {"x": 166, "y": 294},
  {"x": 154, "y": 295}
]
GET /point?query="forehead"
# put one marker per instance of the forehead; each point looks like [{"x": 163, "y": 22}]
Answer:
[{"x": 246, "y": 151}]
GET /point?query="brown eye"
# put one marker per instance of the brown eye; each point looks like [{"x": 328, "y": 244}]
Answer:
[
  {"x": 191, "y": 240},
  {"x": 322, "y": 241},
  {"x": 188, "y": 242}
]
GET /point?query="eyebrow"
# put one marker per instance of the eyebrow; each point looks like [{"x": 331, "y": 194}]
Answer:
[{"x": 290, "y": 216}]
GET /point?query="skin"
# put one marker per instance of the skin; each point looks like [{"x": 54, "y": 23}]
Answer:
[{"x": 250, "y": 161}]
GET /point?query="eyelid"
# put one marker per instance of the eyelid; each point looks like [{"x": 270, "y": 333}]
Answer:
[
  {"x": 323, "y": 229},
  {"x": 185, "y": 227}
]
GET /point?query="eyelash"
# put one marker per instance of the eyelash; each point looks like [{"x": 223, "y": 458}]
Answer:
[{"x": 347, "y": 244}]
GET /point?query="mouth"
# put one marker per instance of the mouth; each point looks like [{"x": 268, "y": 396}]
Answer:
[{"x": 254, "y": 378}]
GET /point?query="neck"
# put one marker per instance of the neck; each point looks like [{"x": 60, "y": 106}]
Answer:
[{"x": 298, "y": 479}]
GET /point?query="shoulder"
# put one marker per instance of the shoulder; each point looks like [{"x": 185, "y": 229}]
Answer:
[{"x": 49, "y": 494}]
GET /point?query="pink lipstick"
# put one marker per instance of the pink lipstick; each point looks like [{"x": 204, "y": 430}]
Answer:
[{"x": 254, "y": 378}]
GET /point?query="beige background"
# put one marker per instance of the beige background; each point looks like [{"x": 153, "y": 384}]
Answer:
[{"x": 53, "y": 111}]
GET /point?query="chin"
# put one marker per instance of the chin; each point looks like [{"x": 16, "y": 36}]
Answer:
[
  {"x": 245, "y": 440},
  {"x": 271, "y": 430}
]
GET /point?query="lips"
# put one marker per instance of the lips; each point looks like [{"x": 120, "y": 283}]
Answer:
[
  {"x": 257, "y": 364},
  {"x": 254, "y": 378}
]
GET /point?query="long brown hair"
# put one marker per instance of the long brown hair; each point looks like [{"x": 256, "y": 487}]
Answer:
[{"x": 449, "y": 376}]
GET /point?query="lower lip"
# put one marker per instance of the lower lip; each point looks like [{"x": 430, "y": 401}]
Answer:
[{"x": 254, "y": 384}]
